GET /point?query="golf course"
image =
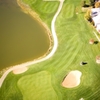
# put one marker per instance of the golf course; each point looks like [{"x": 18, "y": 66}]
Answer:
[{"x": 70, "y": 69}]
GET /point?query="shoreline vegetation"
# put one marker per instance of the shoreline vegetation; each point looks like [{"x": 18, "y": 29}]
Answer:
[
  {"x": 29, "y": 11},
  {"x": 43, "y": 58},
  {"x": 21, "y": 68},
  {"x": 26, "y": 9},
  {"x": 68, "y": 83}
]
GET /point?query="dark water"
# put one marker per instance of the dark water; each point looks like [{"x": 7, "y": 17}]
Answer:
[{"x": 21, "y": 37}]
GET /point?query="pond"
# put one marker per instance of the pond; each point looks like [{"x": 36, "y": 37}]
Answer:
[{"x": 22, "y": 38}]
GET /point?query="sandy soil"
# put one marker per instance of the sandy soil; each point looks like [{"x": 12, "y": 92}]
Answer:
[
  {"x": 72, "y": 79},
  {"x": 20, "y": 70}
]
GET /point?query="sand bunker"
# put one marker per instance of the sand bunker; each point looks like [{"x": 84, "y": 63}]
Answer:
[
  {"x": 98, "y": 59},
  {"x": 72, "y": 79},
  {"x": 20, "y": 70}
]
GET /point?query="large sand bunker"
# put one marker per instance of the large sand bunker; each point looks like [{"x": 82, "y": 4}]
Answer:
[
  {"x": 72, "y": 79},
  {"x": 20, "y": 70}
]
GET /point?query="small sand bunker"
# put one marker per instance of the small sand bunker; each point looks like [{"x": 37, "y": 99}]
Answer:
[
  {"x": 98, "y": 59},
  {"x": 72, "y": 79},
  {"x": 20, "y": 70}
]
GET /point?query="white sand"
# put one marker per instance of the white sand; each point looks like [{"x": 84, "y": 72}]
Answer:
[
  {"x": 72, "y": 79},
  {"x": 98, "y": 59},
  {"x": 20, "y": 70}
]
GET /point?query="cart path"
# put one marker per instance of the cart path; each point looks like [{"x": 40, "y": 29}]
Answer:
[{"x": 45, "y": 58}]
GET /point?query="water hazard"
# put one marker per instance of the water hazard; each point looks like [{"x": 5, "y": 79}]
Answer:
[{"x": 21, "y": 37}]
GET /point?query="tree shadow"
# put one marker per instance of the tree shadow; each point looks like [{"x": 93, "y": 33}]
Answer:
[
  {"x": 83, "y": 63},
  {"x": 96, "y": 42}
]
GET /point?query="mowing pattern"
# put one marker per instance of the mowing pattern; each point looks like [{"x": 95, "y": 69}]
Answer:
[
  {"x": 43, "y": 80},
  {"x": 45, "y": 9},
  {"x": 37, "y": 87}
]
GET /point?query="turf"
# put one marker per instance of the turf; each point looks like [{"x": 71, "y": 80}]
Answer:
[
  {"x": 39, "y": 83},
  {"x": 73, "y": 34}
]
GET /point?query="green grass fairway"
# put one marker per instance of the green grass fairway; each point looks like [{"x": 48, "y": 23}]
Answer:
[{"x": 43, "y": 80}]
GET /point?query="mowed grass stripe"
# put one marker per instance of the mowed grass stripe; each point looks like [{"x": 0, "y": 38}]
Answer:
[
  {"x": 67, "y": 12},
  {"x": 63, "y": 51},
  {"x": 68, "y": 60},
  {"x": 73, "y": 36},
  {"x": 45, "y": 6},
  {"x": 37, "y": 87}
]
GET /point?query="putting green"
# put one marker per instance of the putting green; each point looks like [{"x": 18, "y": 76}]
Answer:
[{"x": 37, "y": 87}]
